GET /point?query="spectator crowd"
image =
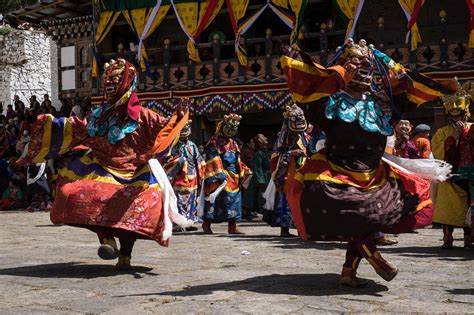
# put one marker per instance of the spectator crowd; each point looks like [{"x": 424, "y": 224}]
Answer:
[{"x": 28, "y": 187}]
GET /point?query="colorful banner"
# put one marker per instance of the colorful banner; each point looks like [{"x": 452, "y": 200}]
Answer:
[
  {"x": 243, "y": 25},
  {"x": 194, "y": 18},
  {"x": 290, "y": 12},
  {"x": 412, "y": 8},
  {"x": 470, "y": 5},
  {"x": 351, "y": 9},
  {"x": 298, "y": 7},
  {"x": 107, "y": 20},
  {"x": 144, "y": 22}
]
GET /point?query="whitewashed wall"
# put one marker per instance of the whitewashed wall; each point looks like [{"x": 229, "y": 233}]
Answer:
[{"x": 28, "y": 65}]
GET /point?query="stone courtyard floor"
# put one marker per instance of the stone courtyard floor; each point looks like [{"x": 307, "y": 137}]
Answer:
[{"x": 47, "y": 269}]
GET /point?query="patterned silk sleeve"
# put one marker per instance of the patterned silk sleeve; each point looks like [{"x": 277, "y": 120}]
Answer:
[
  {"x": 164, "y": 133},
  {"x": 52, "y": 137},
  {"x": 214, "y": 173},
  {"x": 309, "y": 81},
  {"x": 244, "y": 170},
  {"x": 200, "y": 164},
  {"x": 173, "y": 165}
]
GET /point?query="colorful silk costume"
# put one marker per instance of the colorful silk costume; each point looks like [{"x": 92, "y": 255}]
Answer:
[
  {"x": 455, "y": 144},
  {"x": 224, "y": 174},
  {"x": 284, "y": 164},
  {"x": 185, "y": 170},
  {"x": 346, "y": 192},
  {"x": 451, "y": 201},
  {"x": 223, "y": 164},
  {"x": 113, "y": 190}
]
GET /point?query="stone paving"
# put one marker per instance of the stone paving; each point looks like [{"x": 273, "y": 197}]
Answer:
[{"x": 47, "y": 269}]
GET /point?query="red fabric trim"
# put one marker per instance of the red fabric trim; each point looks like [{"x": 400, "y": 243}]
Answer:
[
  {"x": 207, "y": 15},
  {"x": 303, "y": 83},
  {"x": 133, "y": 106},
  {"x": 233, "y": 22},
  {"x": 294, "y": 201},
  {"x": 470, "y": 5},
  {"x": 414, "y": 13},
  {"x": 323, "y": 167}
]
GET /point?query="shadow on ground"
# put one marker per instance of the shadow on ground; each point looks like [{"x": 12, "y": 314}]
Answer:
[
  {"x": 293, "y": 284},
  {"x": 455, "y": 254},
  {"x": 286, "y": 242},
  {"x": 74, "y": 270},
  {"x": 461, "y": 291}
]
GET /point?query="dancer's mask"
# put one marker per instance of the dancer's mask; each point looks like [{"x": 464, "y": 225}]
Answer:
[
  {"x": 186, "y": 131},
  {"x": 457, "y": 104},
  {"x": 119, "y": 79},
  {"x": 229, "y": 126},
  {"x": 295, "y": 118}
]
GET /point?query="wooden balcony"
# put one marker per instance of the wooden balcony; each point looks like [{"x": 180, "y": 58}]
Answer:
[{"x": 439, "y": 59}]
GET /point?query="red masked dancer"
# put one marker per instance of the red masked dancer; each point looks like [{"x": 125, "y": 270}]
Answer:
[
  {"x": 119, "y": 189},
  {"x": 346, "y": 191}
]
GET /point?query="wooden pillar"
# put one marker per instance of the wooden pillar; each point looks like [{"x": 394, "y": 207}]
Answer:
[
  {"x": 241, "y": 68},
  {"x": 268, "y": 54},
  {"x": 191, "y": 72},
  {"x": 216, "y": 52},
  {"x": 443, "y": 45},
  {"x": 323, "y": 41},
  {"x": 166, "y": 63},
  {"x": 380, "y": 36},
  {"x": 412, "y": 60},
  {"x": 95, "y": 24}
]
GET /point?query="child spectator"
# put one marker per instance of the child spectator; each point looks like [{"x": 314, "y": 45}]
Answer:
[{"x": 13, "y": 197}]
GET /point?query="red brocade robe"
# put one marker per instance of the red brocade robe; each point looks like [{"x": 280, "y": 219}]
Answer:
[
  {"x": 346, "y": 190},
  {"x": 112, "y": 186}
]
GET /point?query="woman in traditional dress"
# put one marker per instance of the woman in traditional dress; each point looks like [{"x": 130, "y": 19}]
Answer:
[
  {"x": 346, "y": 192},
  {"x": 118, "y": 189}
]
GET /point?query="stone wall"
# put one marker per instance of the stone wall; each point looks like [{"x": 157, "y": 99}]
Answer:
[{"x": 28, "y": 66}]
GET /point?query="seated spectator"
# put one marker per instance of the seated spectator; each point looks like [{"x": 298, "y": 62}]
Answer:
[
  {"x": 10, "y": 112},
  {"x": 4, "y": 140},
  {"x": 65, "y": 110},
  {"x": 47, "y": 106},
  {"x": 5, "y": 175},
  {"x": 12, "y": 197},
  {"x": 21, "y": 143},
  {"x": 77, "y": 111}
]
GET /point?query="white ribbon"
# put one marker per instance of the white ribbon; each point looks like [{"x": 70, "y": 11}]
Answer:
[
  {"x": 408, "y": 15},
  {"x": 356, "y": 18},
  {"x": 281, "y": 16},
  {"x": 153, "y": 14},
  {"x": 181, "y": 23},
  {"x": 211, "y": 198},
  {"x": 269, "y": 196},
  {"x": 40, "y": 173},
  {"x": 170, "y": 203},
  {"x": 431, "y": 169}
]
